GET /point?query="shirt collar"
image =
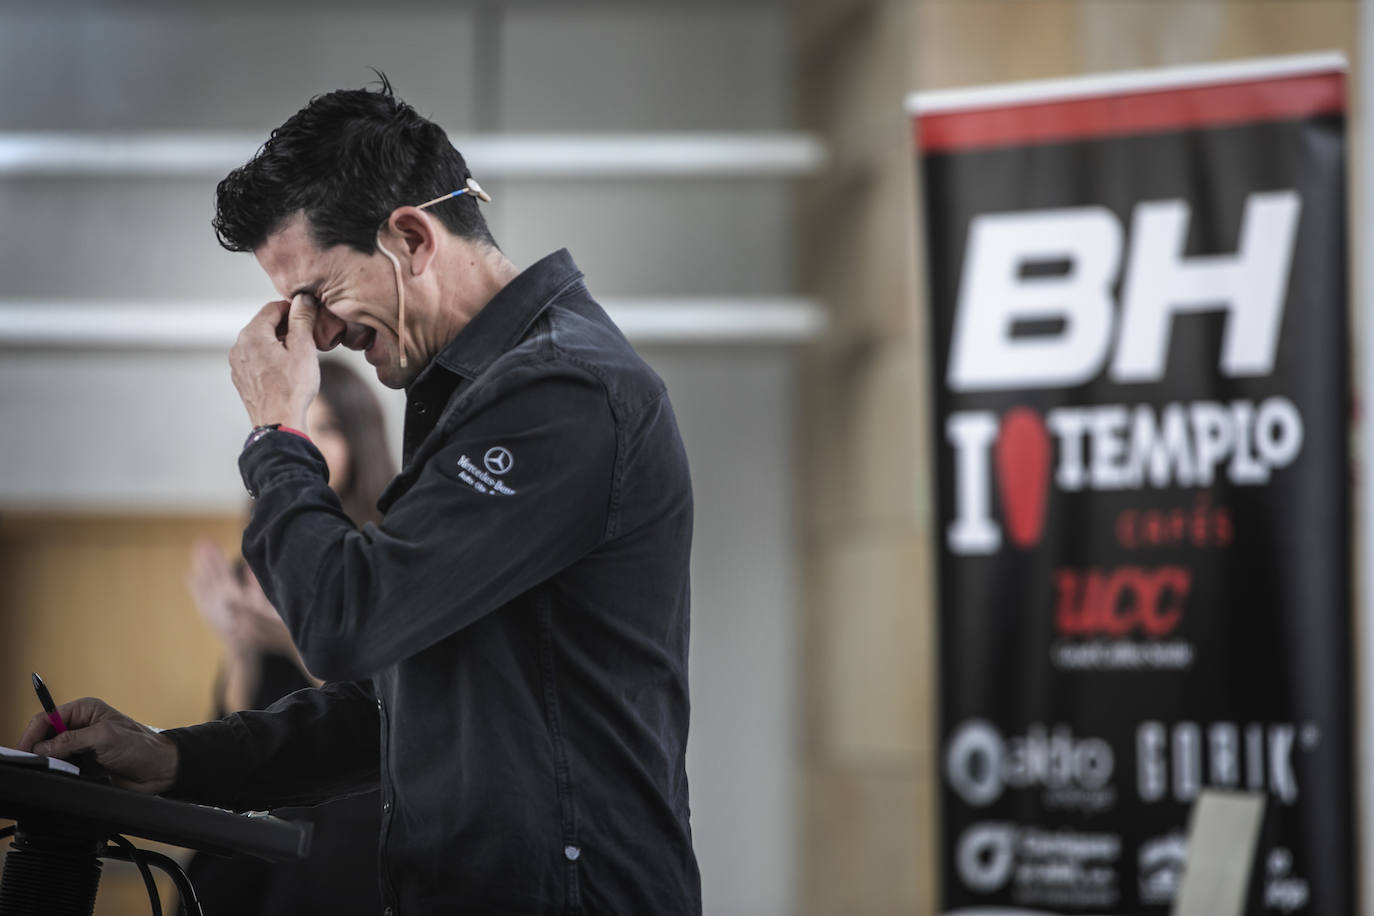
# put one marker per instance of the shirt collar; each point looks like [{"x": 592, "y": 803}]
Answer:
[{"x": 503, "y": 321}]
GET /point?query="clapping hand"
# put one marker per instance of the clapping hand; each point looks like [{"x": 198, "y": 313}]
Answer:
[{"x": 232, "y": 602}]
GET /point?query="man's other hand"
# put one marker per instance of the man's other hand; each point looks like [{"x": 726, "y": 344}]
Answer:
[
  {"x": 273, "y": 362},
  {"x": 135, "y": 756}
]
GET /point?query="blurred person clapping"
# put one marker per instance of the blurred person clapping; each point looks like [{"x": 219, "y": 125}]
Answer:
[
  {"x": 231, "y": 601},
  {"x": 260, "y": 665}
]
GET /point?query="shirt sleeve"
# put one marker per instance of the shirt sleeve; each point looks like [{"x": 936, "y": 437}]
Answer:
[
  {"x": 521, "y": 487},
  {"x": 308, "y": 747}
]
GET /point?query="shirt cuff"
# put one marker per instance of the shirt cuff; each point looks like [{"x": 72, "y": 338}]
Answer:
[
  {"x": 206, "y": 772},
  {"x": 277, "y": 455}
]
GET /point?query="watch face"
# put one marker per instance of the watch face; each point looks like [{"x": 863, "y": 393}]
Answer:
[{"x": 258, "y": 432}]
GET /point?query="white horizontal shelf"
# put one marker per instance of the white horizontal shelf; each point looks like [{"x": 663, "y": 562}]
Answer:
[
  {"x": 776, "y": 320},
  {"x": 202, "y": 325},
  {"x": 490, "y": 156}
]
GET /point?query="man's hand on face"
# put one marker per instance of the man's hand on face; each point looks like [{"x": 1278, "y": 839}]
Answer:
[
  {"x": 135, "y": 756},
  {"x": 273, "y": 363}
]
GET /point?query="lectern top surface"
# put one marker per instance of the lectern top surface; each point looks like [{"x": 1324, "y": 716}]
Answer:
[{"x": 33, "y": 796}]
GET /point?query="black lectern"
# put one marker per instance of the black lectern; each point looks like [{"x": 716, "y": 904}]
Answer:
[{"x": 64, "y": 822}]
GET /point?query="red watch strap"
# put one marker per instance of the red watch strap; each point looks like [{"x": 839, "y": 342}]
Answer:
[{"x": 260, "y": 431}]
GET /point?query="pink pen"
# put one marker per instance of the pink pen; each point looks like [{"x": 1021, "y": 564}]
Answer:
[{"x": 46, "y": 699}]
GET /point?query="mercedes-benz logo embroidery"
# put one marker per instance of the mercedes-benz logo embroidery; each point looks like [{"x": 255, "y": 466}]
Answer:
[{"x": 498, "y": 460}]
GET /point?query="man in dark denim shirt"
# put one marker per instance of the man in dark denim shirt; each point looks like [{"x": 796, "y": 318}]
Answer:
[{"x": 507, "y": 651}]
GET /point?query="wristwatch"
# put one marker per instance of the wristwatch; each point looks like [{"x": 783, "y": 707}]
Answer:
[{"x": 258, "y": 432}]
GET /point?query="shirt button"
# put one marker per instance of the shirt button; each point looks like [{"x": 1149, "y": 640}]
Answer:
[
  {"x": 421, "y": 407},
  {"x": 386, "y": 807},
  {"x": 571, "y": 853},
  {"x": 388, "y": 912},
  {"x": 379, "y": 704}
]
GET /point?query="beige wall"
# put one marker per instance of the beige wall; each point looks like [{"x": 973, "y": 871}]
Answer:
[{"x": 870, "y": 748}]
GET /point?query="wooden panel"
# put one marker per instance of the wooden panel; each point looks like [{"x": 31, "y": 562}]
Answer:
[
  {"x": 968, "y": 42},
  {"x": 872, "y": 854},
  {"x": 873, "y": 677},
  {"x": 98, "y": 606},
  {"x": 870, "y": 459}
]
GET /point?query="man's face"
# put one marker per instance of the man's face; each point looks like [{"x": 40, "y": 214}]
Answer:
[{"x": 356, "y": 294}]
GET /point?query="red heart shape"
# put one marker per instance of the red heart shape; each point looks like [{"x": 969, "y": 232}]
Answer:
[{"x": 1022, "y": 457}]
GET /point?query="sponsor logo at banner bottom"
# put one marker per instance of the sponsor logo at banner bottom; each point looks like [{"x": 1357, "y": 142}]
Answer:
[
  {"x": 1175, "y": 762},
  {"x": 1161, "y": 860},
  {"x": 1072, "y": 773},
  {"x": 1057, "y": 868},
  {"x": 1284, "y": 890},
  {"x": 1160, "y": 867}
]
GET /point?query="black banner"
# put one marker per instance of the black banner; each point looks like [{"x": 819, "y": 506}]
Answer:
[{"x": 1138, "y": 293}]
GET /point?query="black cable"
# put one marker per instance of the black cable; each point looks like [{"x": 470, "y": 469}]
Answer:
[
  {"x": 127, "y": 851},
  {"x": 173, "y": 868}
]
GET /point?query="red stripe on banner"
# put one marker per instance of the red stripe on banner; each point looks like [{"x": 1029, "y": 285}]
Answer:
[{"x": 1133, "y": 113}]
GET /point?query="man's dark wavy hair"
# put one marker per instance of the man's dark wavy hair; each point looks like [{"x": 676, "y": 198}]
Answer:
[{"x": 347, "y": 159}]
